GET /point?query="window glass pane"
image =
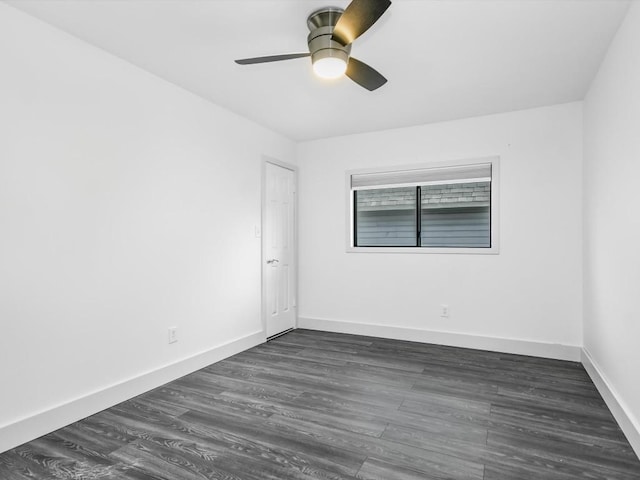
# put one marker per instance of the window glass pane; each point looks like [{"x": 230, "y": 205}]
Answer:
[
  {"x": 456, "y": 215},
  {"x": 386, "y": 217}
]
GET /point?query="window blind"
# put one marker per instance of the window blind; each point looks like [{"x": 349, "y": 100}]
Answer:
[{"x": 424, "y": 176}]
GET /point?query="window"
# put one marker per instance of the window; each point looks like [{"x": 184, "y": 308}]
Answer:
[{"x": 444, "y": 208}]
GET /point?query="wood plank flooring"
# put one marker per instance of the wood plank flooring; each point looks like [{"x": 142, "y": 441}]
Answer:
[{"x": 316, "y": 405}]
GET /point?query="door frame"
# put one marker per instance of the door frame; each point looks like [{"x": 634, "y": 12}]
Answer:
[{"x": 263, "y": 265}]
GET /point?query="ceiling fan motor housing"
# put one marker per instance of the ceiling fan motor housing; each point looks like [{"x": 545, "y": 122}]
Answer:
[{"x": 321, "y": 45}]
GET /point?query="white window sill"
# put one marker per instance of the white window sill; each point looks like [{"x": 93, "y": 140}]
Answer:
[{"x": 428, "y": 250}]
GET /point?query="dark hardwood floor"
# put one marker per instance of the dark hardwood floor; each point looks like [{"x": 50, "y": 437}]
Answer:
[{"x": 316, "y": 405}]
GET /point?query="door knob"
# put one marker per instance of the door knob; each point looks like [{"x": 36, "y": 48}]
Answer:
[{"x": 272, "y": 261}]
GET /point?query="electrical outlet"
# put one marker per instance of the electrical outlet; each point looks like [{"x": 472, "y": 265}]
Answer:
[
  {"x": 173, "y": 334},
  {"x": 444, "y": 311}
]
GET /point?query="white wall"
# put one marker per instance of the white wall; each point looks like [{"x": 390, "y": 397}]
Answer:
[
  {"x": 127, "y": 205},
  {"x": 612, "y": 219},
  {"x": 530, "y": 292}
]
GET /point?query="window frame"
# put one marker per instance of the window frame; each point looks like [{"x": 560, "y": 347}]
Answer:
[{"x": 494, "y": 209}]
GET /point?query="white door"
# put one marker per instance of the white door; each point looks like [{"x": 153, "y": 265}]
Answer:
[{"x": 279, "y": 249}]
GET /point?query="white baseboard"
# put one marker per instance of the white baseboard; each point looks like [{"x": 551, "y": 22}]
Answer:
[
  {"x": 41, "y": 423},
  {"x": 628, "y": 423},
  {"x": 478, "y": 342}
]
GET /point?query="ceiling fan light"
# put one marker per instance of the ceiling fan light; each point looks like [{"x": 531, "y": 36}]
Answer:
[
  {"x": 330, "y": 67},
  {"x": 330, "y": 62}
]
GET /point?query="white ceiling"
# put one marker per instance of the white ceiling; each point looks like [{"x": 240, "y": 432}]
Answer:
[{"x": 444, "y": 59}]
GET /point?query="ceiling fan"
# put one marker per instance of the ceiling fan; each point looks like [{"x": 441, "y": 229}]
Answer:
[{"x": 332, "y": 31}]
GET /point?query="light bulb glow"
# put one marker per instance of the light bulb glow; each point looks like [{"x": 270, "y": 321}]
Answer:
[{"x": 330, "y": 67}]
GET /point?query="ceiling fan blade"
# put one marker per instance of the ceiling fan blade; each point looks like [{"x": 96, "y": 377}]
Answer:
[
  {"x": 364, "y": 75},
  {"x": 271, "y": 58},
  {"x": 357, "y": 18}
]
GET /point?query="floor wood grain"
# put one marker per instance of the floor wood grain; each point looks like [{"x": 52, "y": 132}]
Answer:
[{"x": 317, "y": 405}]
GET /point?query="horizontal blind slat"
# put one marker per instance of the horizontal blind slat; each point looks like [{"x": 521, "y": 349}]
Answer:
[{"x": 423, "y": 175}]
